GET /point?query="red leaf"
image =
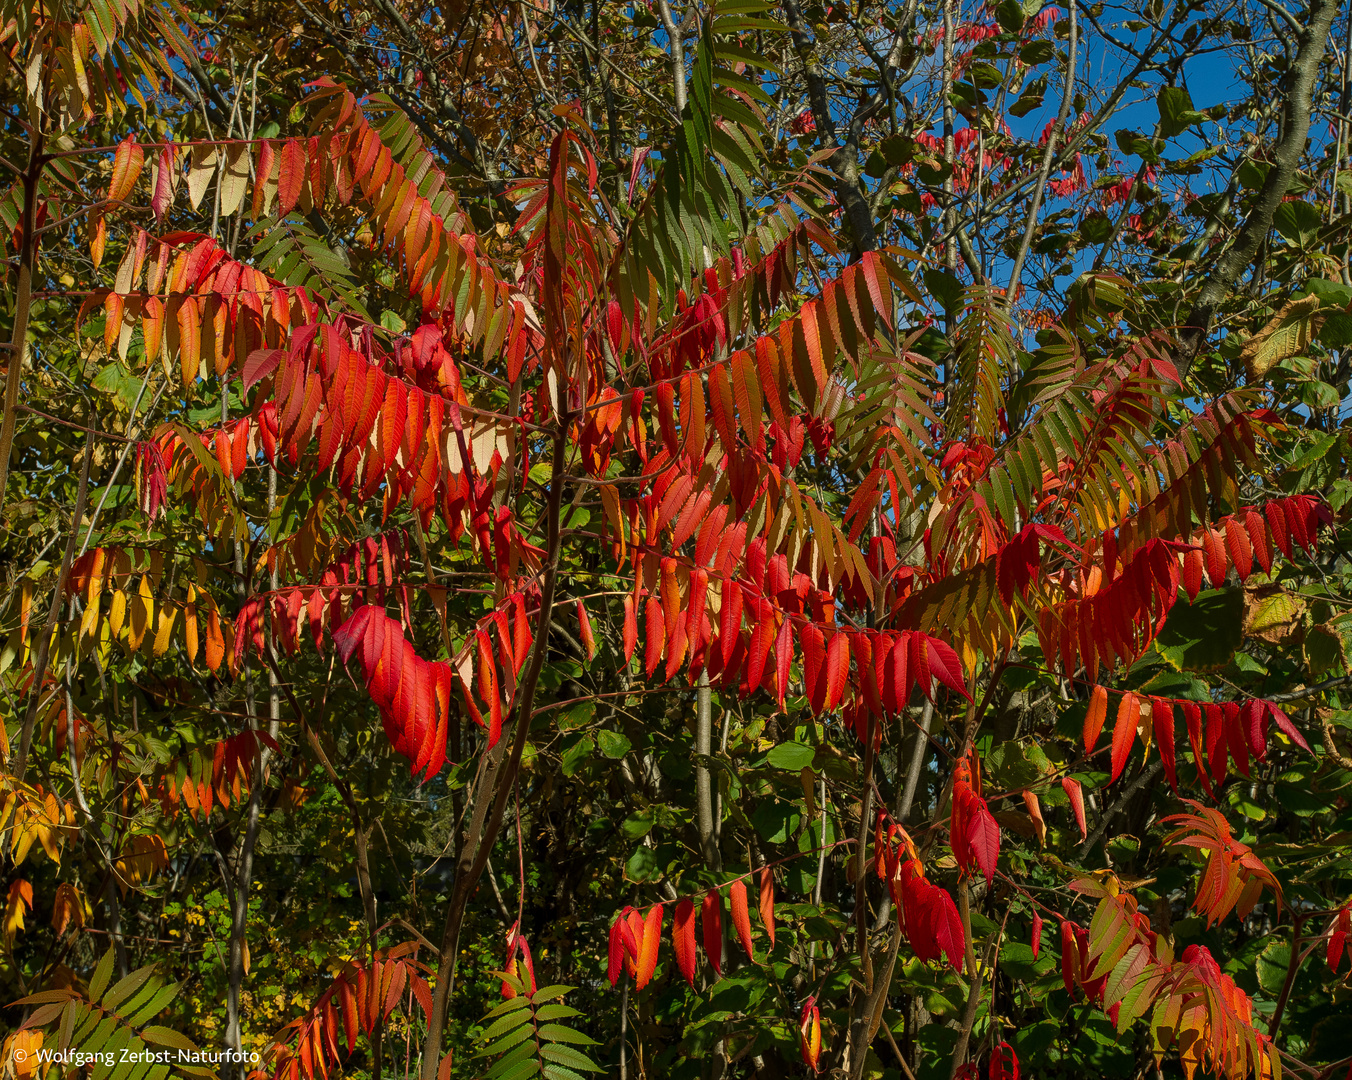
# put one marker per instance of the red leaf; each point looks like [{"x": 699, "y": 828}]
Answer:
[
  {"x": 1342, "y": 927},
  {"x": 1283, "y": 722},
  {"x": 944, "y": 665},
  {"x": 1035, "y": 936},
  {"x": 1237, "y": 544},
  {"x": 1128, "y": 716},
  {"x": 630, "y": 628},
  {"x": 1281, "y": 531},
  {"x": 762, "y": 637},
  {"x": 1234, "y": 736},
  {"x": 683, "y": 939},
  {"x": 292, "y": 178},
  {"x": 1004, "y": 1063},
  {"x": 711, "y": 922},
  {"x": 1094, "y": 717},
  {"x": 741, "y": 917},
  {"x": 985, "y": 840},
  {"x": 1253, "y": 721},
  {"x": 1076, "y": 795},
  {"x": 1070, "y": 957},
  {"x": 1162, "y": 722},
  {"x": 1192, "y": 573},
  {"x": 837, "y": 668},
  {"x": 1215, "y": 742},
  {"x": 814, "y": 655},
  {"x": 730, "y": 617},
  {"x": 1192, "y": 715},
  {"x": 1258, "y": 538},
  {"x": 1214, "y": 550}
]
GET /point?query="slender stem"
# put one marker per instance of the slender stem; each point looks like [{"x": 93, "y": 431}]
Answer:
[
  {"x": 23, "y": 303},
  {"x": 677, "y": 53},
  {"x": 43, "y": 653},
  {"x": 1048, "y": 156},
  {"x": 1293, "y": 965},
  {"x": 499, "y": 776},
  {"x": 704, "y": 799},
  {"x": 917, "y": 763},
  {"x": 974, "y": 978}
]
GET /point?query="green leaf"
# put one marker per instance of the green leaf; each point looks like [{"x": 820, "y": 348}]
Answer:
[
  {"x": 559, "y": 1033},
  {"x": 612, "y": 744},
  {"x": 642, "y": 865},
  {"x": 1272, "y": 965},
  {"x": 1203, "y": 635},
  {"x": 577, "y": 754},
  {"x": 1297, "y": 222},
  {"x": 793, "y": 756},
  {"x": 1176, "y": 111},
  {"x": 566, "y": 1055},
  {"x": 102, "y": 974}
]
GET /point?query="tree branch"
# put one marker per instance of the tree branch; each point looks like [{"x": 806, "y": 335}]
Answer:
[{"x": 1285, "y": 160}]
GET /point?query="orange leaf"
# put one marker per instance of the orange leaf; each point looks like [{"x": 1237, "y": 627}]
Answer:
[
  {"x": 767, "y": 903},
  {"x": 215, "y": 644},
  {"x": 1076, "y": 795},
  {"x": 1128, "y": 715},
  {"x": 1093, "y": 719},
  {"x": 1030, "y": 801},
  {"x": 585, "y": 629},
  {"x": 741, "y": 918},
  {"x": 654, "y": 637},
  {"x": 128, "y": 160},
  {"x": 647, "y": 947}
]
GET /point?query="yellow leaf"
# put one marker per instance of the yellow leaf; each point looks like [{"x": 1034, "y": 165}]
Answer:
[
  {"x": 1286, "y": 334},
  {"x": 118, "y": 614},
  {"x": 89, "y": 622},
  {"x": 20, "y": 900},
  {"x": 165, "y": 631},
  {"x": 235, "y": 179},
  {"x": 142, "y": 615},
  {"x": 190, "y": 631}
]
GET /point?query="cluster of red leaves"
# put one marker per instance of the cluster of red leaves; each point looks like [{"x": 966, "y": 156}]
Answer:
[
  {"x": 152, "y": 478},
  {"x": 413, "y": 694},
  {"x": 362, "y": 996},
  {"x": 635, "y": 938},
  {"x": 1116, "y": 622},
  {"x": 1231, "y": 731},
  {"x": 1124, "y": 599},
  {"x": 786, "y": 612},
  {"x": 1004, "y": 1063},
  {"x": 926, "y": 913},
  {"x": 1246, "y": 539},
  {"x": 973, "y": 834},
  {"x": 1234, "y": 876}
]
